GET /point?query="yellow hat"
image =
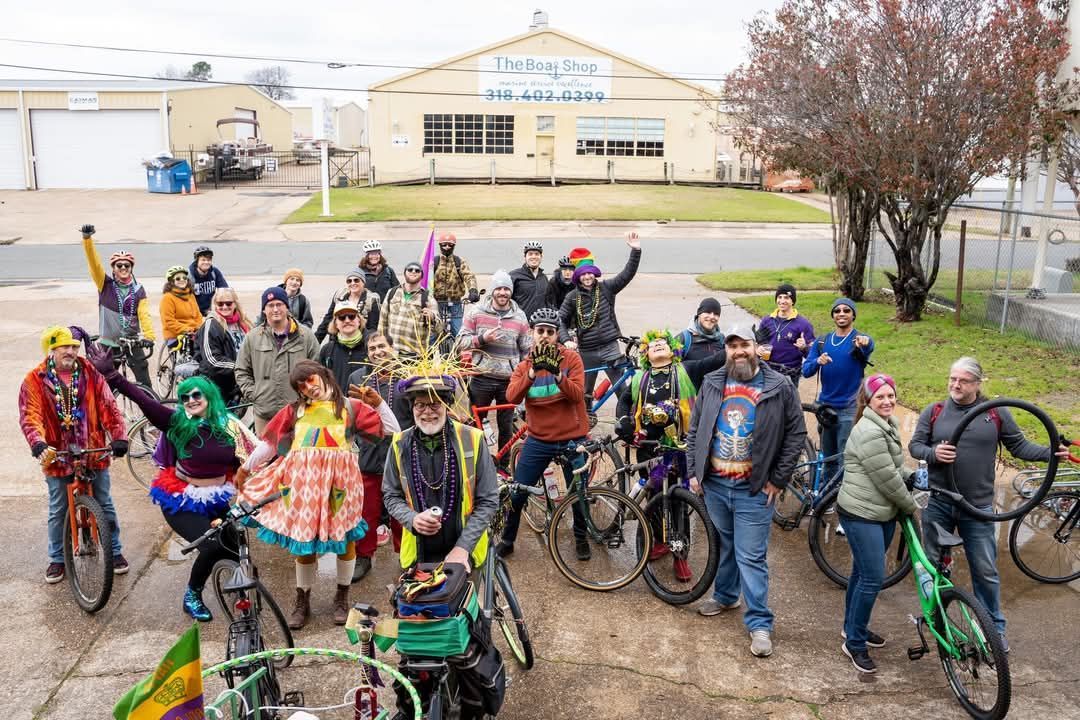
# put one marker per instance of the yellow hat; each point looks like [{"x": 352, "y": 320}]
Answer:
[{"x": 55, "y": 336}]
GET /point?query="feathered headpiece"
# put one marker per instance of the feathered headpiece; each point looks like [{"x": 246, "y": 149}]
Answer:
[{"x": 674, "y": 342}]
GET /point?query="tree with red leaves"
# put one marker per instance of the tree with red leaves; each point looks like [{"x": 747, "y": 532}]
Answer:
[{"x": 902, "y": 106}]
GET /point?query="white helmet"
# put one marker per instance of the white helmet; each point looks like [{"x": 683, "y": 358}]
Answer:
[
  {"x": 533, "y": 245},
  {"x": 372, "y": 246}
]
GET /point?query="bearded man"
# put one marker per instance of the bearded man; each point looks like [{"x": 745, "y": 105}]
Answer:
[{"x": 743, "y": 442}]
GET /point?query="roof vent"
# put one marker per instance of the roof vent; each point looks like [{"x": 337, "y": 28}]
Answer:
[{"x": 539, "y": 21}]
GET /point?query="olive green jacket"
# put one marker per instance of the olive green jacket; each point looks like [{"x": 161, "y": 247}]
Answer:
[{"x": 873, "y": 486}]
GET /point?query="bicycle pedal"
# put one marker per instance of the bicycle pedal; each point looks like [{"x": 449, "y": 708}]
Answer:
[
  {"x": 294, "y": 698},
  {"x": 916, "y": 653}
]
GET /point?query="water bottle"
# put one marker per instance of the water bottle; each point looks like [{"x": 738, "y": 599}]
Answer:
[
  {"x": 638, "y": 487},
  {"x": 489, "y": 432},
  {"x": 925, "y": 580},
  {"x": 551, "y": 485},
  {"x": 922, "y": 476}
]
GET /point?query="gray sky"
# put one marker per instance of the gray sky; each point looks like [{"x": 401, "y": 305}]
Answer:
[{"x": 688, "y": 38}]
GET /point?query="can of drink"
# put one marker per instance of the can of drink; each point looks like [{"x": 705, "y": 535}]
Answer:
[{"x": 437, "y": 512}]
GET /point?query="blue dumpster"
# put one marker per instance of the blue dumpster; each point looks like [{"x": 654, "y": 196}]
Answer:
[{"x": 172, "y": 176}]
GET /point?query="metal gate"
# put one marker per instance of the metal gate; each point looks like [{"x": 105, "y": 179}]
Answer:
[{"x": 290, "y": 168}]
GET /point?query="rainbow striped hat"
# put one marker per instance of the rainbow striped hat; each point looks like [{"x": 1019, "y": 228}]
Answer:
[{"x": 584, "y": 262}]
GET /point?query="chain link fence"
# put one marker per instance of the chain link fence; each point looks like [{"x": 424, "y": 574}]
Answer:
[{"x": 994, "y": 272}]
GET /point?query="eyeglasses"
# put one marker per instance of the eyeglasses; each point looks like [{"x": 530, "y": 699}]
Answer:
[
  {"x": 423, "y": 405},
  {"x": 353, "y": 281},
  {"x": 122, "y": 266},
  {"x": 193, "y": 396},
  {"x": 346, "y": 317},
  {"x": 544, "y": 331},
  {"x": 961, "y": 381},
  {"x": 225, "y": 303}
]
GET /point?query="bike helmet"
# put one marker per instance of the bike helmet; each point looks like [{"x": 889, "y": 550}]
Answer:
[
  {"x": 533, "y": 245},
  {"x": 544, "y": 316},
  {"x": 175, "y": 270},
  {"x": 203, "y": 250},
  {"x": 372, "y": 246},
  {"x": 565, "y": 262},
  {"x": 448, "y": 238},
  {"x": 121, "y": 255}
]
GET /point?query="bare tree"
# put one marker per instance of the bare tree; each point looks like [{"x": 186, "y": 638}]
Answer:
[
  {"x": 198, "y": 71},
  {"x": 273, "y": 81},
  {"x": 1069, "y": 164}
]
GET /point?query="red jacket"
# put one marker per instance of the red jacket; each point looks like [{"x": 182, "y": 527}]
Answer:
[{"x": 39, "y": 422}]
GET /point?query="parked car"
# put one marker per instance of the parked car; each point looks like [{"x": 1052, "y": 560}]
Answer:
[{"x": 788, "y": 181}]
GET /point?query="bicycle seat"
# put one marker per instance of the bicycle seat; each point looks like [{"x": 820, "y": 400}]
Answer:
[{"x": 946, "y": 539}]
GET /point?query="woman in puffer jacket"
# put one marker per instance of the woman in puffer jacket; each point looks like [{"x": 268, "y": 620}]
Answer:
[{"x": 873, "y": 492}]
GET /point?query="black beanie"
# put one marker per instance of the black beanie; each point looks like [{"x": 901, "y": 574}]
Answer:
[
  {"x": 708, "y": 305},
  {"x": 785, "y": 288}
]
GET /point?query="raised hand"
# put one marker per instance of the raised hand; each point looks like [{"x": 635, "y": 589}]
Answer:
[
  {"x": 87, "y": 230},
  {"x": 102, "y": 359},
  {"x": 633, "y": 240}
]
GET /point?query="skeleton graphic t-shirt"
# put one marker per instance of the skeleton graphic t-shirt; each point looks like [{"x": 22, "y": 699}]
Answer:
[{"x": 729, "y": 455}]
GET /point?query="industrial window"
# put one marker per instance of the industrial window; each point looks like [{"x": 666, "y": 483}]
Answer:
[
  {"x": 545, "y": 123},
  {"x": 468, "y": 134},
  {"x": 627, "y": 137}
]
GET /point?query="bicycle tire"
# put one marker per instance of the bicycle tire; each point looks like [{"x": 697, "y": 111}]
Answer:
[
  {"x": 610, "y": 470},
  {"x": 267, "y": 691},
  {"x": 142, "y": 440},
  {"x": 681, "y": 543},
  {"x": 535, "y": 510},
  {"x": 794, "y": 500},
  {"x": 266, "y": 609},
  {"x": 165, "y": 376},
  {"x": 975, "y": 658},
  {"x": 1057, "y": 513},
  {"x": 1051, "y": 466},
  {"x": 90, "y": 573},
  {"x": 514, "y": 629},
  {"x": 835, "y": 562},
  {"x": 609, "y": 536}
]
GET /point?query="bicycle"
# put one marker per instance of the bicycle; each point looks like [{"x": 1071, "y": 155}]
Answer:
[
  {"x": 252, "y": 611},
  {"x": 501, "y": 603},
  {"x": 140, "y": 447},
  {"x": 1039, "y": 539},
  {"x": 1027, "y": 481},
  {"x": 88, "y": 557},
  {"x": 175, "y": 361},
  {"x": 969, "y": 646},
  {"x": 626, "y": 365}
]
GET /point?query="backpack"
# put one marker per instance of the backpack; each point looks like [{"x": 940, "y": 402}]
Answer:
[
  {"x": 457, "y": 264},
  {"x": 423, "y": 295},
  {"x": 687, "y": 340},
  {"x": 935, "y": 411}
]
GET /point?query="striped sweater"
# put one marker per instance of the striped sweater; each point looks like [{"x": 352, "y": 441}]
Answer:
[
  {"x": 554, "y": 405},
  {"x": 505, "y": 347}
]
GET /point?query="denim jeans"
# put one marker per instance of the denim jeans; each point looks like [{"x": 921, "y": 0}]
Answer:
[
  {"x": 980, "y": 548},
  {"x": 58, "y": 512},
  {"x": 868, "y": 540},
  {"x": 453, "y": 311},
  {"x": 534, "y": 458},
  {"x": 834, "y": 439},
  {"x": 743, "y": 522}
]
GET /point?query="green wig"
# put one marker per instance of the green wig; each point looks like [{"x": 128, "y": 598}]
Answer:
[
  {"x": 184, "y": 428},
  {"x": 674, "y": 342}
]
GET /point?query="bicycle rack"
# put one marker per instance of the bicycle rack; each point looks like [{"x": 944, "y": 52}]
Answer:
[{"x": 916, "y": 653}]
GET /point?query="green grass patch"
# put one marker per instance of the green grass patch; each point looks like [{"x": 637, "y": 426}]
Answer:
[
  {"x": 802, "y": 277},
  {"x": 918, "y": 356},
  {"x": 568, "y": 202}
]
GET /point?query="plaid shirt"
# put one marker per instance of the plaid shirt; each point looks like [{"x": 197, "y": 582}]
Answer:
[
  {"x": 449, "y": 284},
  {"x": 400, "y": 320}
]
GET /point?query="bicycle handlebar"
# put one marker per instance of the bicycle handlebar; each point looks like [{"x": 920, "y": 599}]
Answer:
[{"x": 236, "y": 513}]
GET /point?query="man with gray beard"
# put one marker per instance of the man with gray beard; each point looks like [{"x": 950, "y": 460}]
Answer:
[{"x": 744, "y": 439}]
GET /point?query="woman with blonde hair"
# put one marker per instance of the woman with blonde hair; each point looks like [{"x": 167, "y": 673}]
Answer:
[
  {"x": 219, "y": 339},
  {"x": 179, "y": 309}
]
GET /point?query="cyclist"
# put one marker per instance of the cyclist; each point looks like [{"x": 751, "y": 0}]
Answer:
[
  {"x": 64, "y": 401},
  {"x": 551, "y": 382},
  {"x": 452, "y": 281},
  {"x": 439, "y": 463},
  {"x": 560, "y": 285},
  {"x": 299, "y": 306},
  {"x": 589, "y": 312},
  {"x": 123, "y": 311},
  {"x": 410, "y": 316},
  {"x": 530, "y": 283},
  {"x": 205, "y": 278},
  {"x": 218, "y": 341},
  {"x": 788, "y": 334},
  {"x": 379, "y": 277},
  {"x": 202, "y": 446},
  {"x": 704, "y": 337},
  {"x": 973, "y": 460},
  {"x": 346, "y": 350},
  {"x": 499, "y": 330},
  {"x": 365, "y": 301},
  {"x": 179, "y": 311},
  {"x": 313, "y": 437}
]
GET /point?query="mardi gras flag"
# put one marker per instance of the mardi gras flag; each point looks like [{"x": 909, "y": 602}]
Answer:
[
  {"x": 428, "y": 262},
  {"x": 174, "y": 691}
]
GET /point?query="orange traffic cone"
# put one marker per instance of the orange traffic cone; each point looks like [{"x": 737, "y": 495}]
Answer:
[
  {"x": 194, "y": 190},
  {"x": 183, "y": 189}
]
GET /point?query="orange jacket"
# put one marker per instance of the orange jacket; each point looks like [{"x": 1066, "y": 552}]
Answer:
[
  {"x": 179, "y": 314},
  {"x": 554, "y": 404}
]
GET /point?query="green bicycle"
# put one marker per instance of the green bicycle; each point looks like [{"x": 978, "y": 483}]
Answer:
[{"x": 968, "y": 643}]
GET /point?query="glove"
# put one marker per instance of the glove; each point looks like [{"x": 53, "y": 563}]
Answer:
[
  {"x": 78, "y": 333},
  {"x": 119, "y": 448},
  {"x": 547, "y": 357},
  {"x": 102, "y": 360},
  {"x": 87, "y": 230},
  {"x": 624, "y": 429},
  {"x": 39, "y": 447},
  {"x": 367, "y": 395},
  {"x": 474, "y": 296}
]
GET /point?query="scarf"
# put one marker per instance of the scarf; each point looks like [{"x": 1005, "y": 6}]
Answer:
[
  {"x": 714, "y": 335},
  {"x": 350, "y": 342}
]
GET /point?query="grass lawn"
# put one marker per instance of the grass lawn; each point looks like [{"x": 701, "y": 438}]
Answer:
[
  {"x": 566, "y": 202},
  {"x": 918, "y": 356},
  {"x": 802, "y": 277}
]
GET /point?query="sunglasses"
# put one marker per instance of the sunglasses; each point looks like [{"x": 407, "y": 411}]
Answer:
[
  {"x": 842, "y": 311},
  {"x": 180, "y": 276},
  {"x": 193, "y": 396},
  {"x": 225, "y": 303},
  {"x": 122, "y": 266},
  {"x": 353, "y": 281},
  {"x": 415, "y": 270},
  {"x": 543, "y": 331},
  {"x": 346, "y": 317}
]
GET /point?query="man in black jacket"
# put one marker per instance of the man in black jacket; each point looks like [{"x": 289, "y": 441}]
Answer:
[
  {"x": 346, "y": 351},
  {"x": 530, "y": 283}
]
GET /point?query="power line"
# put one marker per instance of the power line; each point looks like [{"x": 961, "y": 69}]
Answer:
[
  {"x": 335, "y": 64},
  {"x": 132, "y": 76}
]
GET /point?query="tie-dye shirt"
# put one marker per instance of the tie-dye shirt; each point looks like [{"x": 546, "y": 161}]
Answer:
[{"x": 729, "y": 454}]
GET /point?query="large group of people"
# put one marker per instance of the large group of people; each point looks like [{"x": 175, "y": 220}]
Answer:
[{"x": 356, "y": 421}]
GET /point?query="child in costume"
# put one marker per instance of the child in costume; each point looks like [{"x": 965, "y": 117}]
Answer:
[{"x": 313, "y": 439}]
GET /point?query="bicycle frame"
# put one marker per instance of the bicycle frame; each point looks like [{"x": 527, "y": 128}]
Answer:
[
  {"x": 627, "y": 373},
  {"x": 80, "y": 485},
  {"x": 478, "y": 414}
]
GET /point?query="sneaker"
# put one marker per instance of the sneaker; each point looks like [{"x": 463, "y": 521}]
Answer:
[
  {"x": 504, "y": 549},
  {"x": 362, "y": 568},
  {"x": 194, "y": 606},
  {"x": 861, "y": 660},
  {"x": 1004, "y": 643},
  {"x": 658, "y": 551},
  {"x": 712, "y": 607},
  {"x": 54, "y": 573},
  {"x": 584, "y": 552},
  {"x": 872, "y": 639},
  {"x": 760, "y": 643},
  {"x": 682, "y": 570},
  {"x": 119, "y": 565},
  {"x": 382, "y": 535}
]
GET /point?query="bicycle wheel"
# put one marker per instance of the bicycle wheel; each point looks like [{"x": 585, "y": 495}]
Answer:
[
  {"x": 1039, "y": 542},
  {"x": 535, "y": 510},
  {"x": 685, "y": 551},
  {"x": 273, "y": 627},
  {"x": 244, "y": 639},
  {"x": 507, "y": 613},
  {"x": 165, "y": 378},
  {"x": 607, "y": 469},
  {"x": 830, "y": 550},
  {"x": 142, "y": 440},
  {"x": 613, "y": 522},
  {"x": 794, "y": 500},
  {"x": 979, "y": 677},
  {"x": 89, "y": 567}
]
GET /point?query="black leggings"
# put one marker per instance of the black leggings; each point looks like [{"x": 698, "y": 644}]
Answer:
[{"x": 190, "y": 525}]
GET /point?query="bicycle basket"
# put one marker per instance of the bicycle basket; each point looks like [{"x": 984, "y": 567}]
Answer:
[{"x": 442, "y": 637}]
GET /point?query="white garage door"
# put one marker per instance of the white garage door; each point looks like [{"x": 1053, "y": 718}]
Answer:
[
  {"x": 11, "y": 155},
  {"x": 94, "y": 149}
]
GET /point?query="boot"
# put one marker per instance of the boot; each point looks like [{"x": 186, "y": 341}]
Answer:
[
  {"x": 301, "y": 610},
  {"x": 363, "y": 567},
  {"x": 341, "y": 605},
  {"x": 195, "y": 607}
]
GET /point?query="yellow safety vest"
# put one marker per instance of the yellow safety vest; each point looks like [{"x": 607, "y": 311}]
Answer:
[{"x": 464, "y": 436}]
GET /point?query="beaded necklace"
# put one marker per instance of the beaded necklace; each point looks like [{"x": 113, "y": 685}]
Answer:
[
  {"x": 447, "y": 490},
  {"x": 122, "y": 304},
  {"x": 583, "y": 322},
  {"x": 389, "y": 397},
  {"x": 65, "y": 399}
]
